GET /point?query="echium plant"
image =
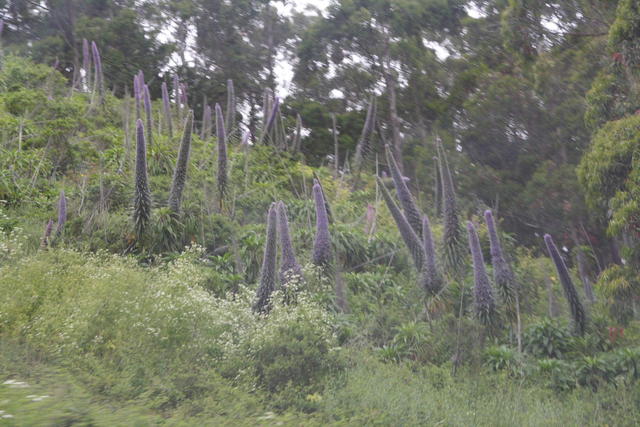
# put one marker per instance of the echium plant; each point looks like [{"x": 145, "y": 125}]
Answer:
[
  {"x": 322, "y": 254},
  {"x": 363, "y": 148},
  {"x": 407, "y": 202},
  {"x": 502, "y": 274},
  {"x": 289, "y": 266},
  {"x": 230, "y": 121},
  {"x": 452, "y": 238},
  {"x": 327, "y": 207},
  {"x": 578, "y": 314},
  {"x": 47, "y": 234},
  {"x": 182, "y": 164},
  {"x": 503, "y": 277},
  {"x": 273, "y": 115},
  {"x": 136, "y": 95},
  {"x": 142, "y": 195},
  {"x": 166, "y": 109},
  {"x": 149, "y": 114},
  {"x": 98, "y": 77},
  {"x": 62, "y": 213},
  {"x": 484, "y": 302},
  {"x": 268, "y": 272},
  {"x": 407, "y": 233},
  {"x": 222, "y": 155},
  {"x": 86, "y": 63},
  {"x": 431, "y": 279}
]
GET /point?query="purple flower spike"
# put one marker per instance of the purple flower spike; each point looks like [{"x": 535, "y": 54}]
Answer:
[
  {"x": 142, "y": 194},
  {"x": 98, "y": 77},
  {"x": 289, "y": 266},
  {"x": 404, "y": 195},
  {"x": 149, "y": 114},
  {"x": 322, "y": 254},
  {"x": 502, "y": 273},
  {"x": 484, "y": 303},
  {"x": 268, "y": 272},
  {"x": 432, "y": 280},
  {"x": 222, "y": 154},
  {"x": 407, "y": 233},
  {"x": 182, "y": 165},
  {"x": 62, "y": 213},
  {"x": 578, "y": 314}
]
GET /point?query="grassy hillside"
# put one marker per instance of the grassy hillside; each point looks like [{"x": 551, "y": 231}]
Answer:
[{"x": 106, "y": 323}]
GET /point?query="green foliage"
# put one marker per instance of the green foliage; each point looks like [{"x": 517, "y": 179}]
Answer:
[{"x": 546, "y": 339}]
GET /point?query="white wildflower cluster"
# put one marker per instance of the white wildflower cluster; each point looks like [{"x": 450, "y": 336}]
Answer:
[{"x": 12, "y": 242}]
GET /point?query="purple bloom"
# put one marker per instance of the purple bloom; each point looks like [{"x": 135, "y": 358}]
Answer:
[
  {"x": 502, "y": 273},
  {"x": 322, "y": 254},
  {"x": 268, "y": 272},
  {"x": 99, "y": 78},
  {"x": 142, "y": 195},
  {"x": 578, "y": 314},
  {"x": 404, "y": 195},
  {"x": 47, "y": 234},
  {"x": 149, "y": 113},
  {"x": 485, "y": 306},
  {"x": 272, "y": 118},
  {"x": 289, "y": 265},
  {"x": 182, "y": 164},
  {"x": 452, "y": 235},
  {"x": 62, "y": 213},
  {"x": 222, "y": 154},
  {"x": 407, "y": 233},
  {"x": 431, "y": 278},
  {"x": 363, "y": 148}
]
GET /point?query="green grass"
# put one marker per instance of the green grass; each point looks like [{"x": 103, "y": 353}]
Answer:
[{"x": 110, "y": 342}]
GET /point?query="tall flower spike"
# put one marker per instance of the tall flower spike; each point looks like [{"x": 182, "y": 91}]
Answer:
[
  {"x": 404, "y": 195},
  {"x": 363, "y": 148},
  {"x": 136, "y": 95},
  {"x": 47, "y": 234},
  {"x": 230, "y": 121},
  {"x": 99, "y": 77},
  {"x": 182, "y": 164},
  {"x": 62, "y": 213},
  {"x": 222, "y": 154},
  {"x": 409, "y": 236},
  {"x": 322, "y": 254},
  {"x": 86, "y": 63},
  {"x": 268, "y": 272},
  {"x": 452, "y": 236},
  {"x": 431, "y": 278},
  {"x": 142, "y": 197},
  {"x": 288, "y": 264},
  {"x": 166, "y": 109},
  {"x": 149, "y": 114},
  {"x": 272, "y": 119},
  {"x": 484, "y": 302},
  {"x": 316, "y": 178},
  {"x": 578, "y": 314},
  {"x": 502, "y": 274}
]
